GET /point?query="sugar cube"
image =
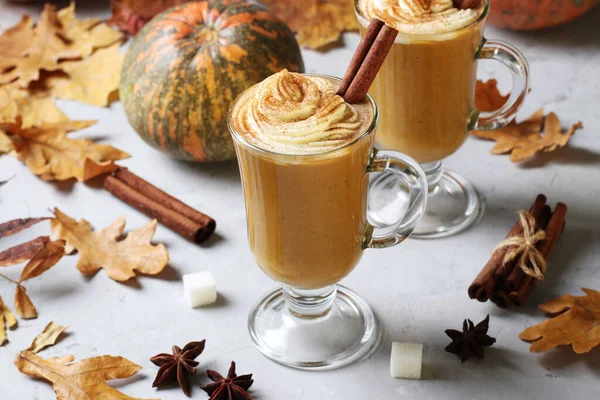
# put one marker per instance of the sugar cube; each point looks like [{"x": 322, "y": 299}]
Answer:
[
  {"x": 200, "y": 288},
  {"x": 406, "y": 360}
]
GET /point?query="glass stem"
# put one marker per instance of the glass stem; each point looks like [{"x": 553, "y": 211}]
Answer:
[
  {"x": 433, "y": 171},
  {"x": 309, "y": 304}
]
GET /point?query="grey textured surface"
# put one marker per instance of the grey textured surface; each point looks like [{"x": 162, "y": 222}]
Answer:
[{"x": 417, "y": 289}]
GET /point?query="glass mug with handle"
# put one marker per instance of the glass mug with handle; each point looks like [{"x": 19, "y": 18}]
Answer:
[
  {"x": 425, "y": 91},
  {"x": 307, "y": 229}
]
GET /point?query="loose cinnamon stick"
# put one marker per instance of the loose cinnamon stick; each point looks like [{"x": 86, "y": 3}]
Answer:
[
  {"x": 367, "y": 61},
  {"x": 484, "y": 284},
  {"x": 513, "y": 281},
  {"x": 554, "y": 230},
  {"x": 153, "y": 202},
  {"x": 149, "y": 190}
]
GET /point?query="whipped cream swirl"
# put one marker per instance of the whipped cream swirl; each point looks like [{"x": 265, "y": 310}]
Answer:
[
  {"x": 420, "y": 16},
  {"x": 296, "y": 114}
]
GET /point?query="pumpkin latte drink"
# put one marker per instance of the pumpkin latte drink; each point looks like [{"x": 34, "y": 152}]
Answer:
[
  {"x": 304, "y": 157},
  {"x": 426, "y": 89}
]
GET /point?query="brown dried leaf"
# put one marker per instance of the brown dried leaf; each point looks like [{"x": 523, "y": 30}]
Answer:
[
  {"x": 488, "y": 97},
  {"x": 317, "y": 22},
  {"x": 49, "y": 153},
  {"x": 577, "y": 323},
  {"x": 131, "y": 15},
  {"x": 102, "y": 250},
  {"x": 23, "y": 252},
  {"x": 15, "y": 226},
  {"x": 47, "y": 338},
  {"x": 85, "y": 379},
  {"x": 7, "y": 320},
  {"x": 523, "y": 139},
  {"x": 23, "y": 305},
  {"x": 91, "y": 80},
  {"x": 43, "y": 260}
]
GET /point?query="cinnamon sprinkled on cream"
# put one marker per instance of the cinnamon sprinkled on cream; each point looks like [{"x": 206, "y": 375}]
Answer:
[{"x": 297, "y": 114}]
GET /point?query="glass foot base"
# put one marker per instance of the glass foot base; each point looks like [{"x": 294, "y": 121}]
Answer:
[
  {"x": 348, "y": 332},
  {"x": 453, "y": 205}
]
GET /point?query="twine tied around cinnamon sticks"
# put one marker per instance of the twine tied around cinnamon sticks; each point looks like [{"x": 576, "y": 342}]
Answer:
[{"x": 530, "y": 260}]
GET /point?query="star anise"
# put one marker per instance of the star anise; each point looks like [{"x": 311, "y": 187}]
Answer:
[
  {"x": 232, "y": 387},
  {"x": 471, "y": 340},
  {"x": 177, "y": 367}
]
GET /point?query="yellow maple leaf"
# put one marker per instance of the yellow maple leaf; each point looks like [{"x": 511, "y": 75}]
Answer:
[
  {"x": 86, "y": 35},
  {"x": 102, "y": 250},
  {"x": 577, "y": 323},
  {"x": 49, "y": 153},
  {"x": 33, "y": 109},
  {"x": 7, "y": 319},
  {"x": 56, "y": 36},
  {"x": 82, "y": 380},
  {"x": 91, "y": 80}
]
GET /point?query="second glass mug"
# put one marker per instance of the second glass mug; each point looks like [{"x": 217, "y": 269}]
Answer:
[
  {"x": 425, "y": 91},
  {"x": 307, "y": 228}
]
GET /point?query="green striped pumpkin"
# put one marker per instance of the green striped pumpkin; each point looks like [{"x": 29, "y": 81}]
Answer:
[{"x": 188, "y": 64}]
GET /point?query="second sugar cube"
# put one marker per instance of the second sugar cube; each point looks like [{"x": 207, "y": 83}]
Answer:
[{"x": 200, "y": 288}]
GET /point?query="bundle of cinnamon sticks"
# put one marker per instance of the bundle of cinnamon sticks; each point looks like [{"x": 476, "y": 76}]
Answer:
[
  {"x": 505, "y": 283},
  {"x": 147, "y": 198}
]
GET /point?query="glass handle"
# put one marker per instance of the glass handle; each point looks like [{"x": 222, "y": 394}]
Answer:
[
  {"x": 415, "y": 182},
  {"x": 517, "y": 64}
]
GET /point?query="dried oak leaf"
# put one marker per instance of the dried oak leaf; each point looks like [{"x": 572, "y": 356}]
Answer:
[
  {"x": 577, "y": 323},
  {"x": 523, "y": 139},
  {"x": 487, "y": 96},
  {"x": 7, "y": 320},
  {"x": 102, "y": 250},
  {"x": 47, "y": 338},
  {"x": 49, "y": 153},
  {"x": 31, "y": 47},
  {"x": 317, "y": 22},
  {"x": 91, "y": 80},
  {"x": 6, "y": 145},
  {"x": 82, "y": 380},
  {"x": 23, "y": 252}
]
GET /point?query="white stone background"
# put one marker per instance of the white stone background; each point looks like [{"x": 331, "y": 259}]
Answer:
[{"x": 418, "y": 289}]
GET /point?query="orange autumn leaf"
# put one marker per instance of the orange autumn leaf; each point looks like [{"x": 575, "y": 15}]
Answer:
[
  {"x": 49, "y": 153},
  {"x": 317, "y": 22},
  {"x": 81, "y": 380},
  {"x": 7, "y": 320},
  {"x": 23, "y": 304},
  {"x": 47, "y": 338},
  {"x": 521, "y": 139},
  {"x": 30, "y": 47},
  {"x": 32, "y": 109},
  {"x": 102, "y": 249},
  {"x": 577, "y": 323},
  {"x": 488, "y": 97},
  {"x": 91, "y": 80}
]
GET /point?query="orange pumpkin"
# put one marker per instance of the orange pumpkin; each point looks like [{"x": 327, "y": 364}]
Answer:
[
  {"x": 536, "y": 14},
  {"x": 187, "y": 65}
]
